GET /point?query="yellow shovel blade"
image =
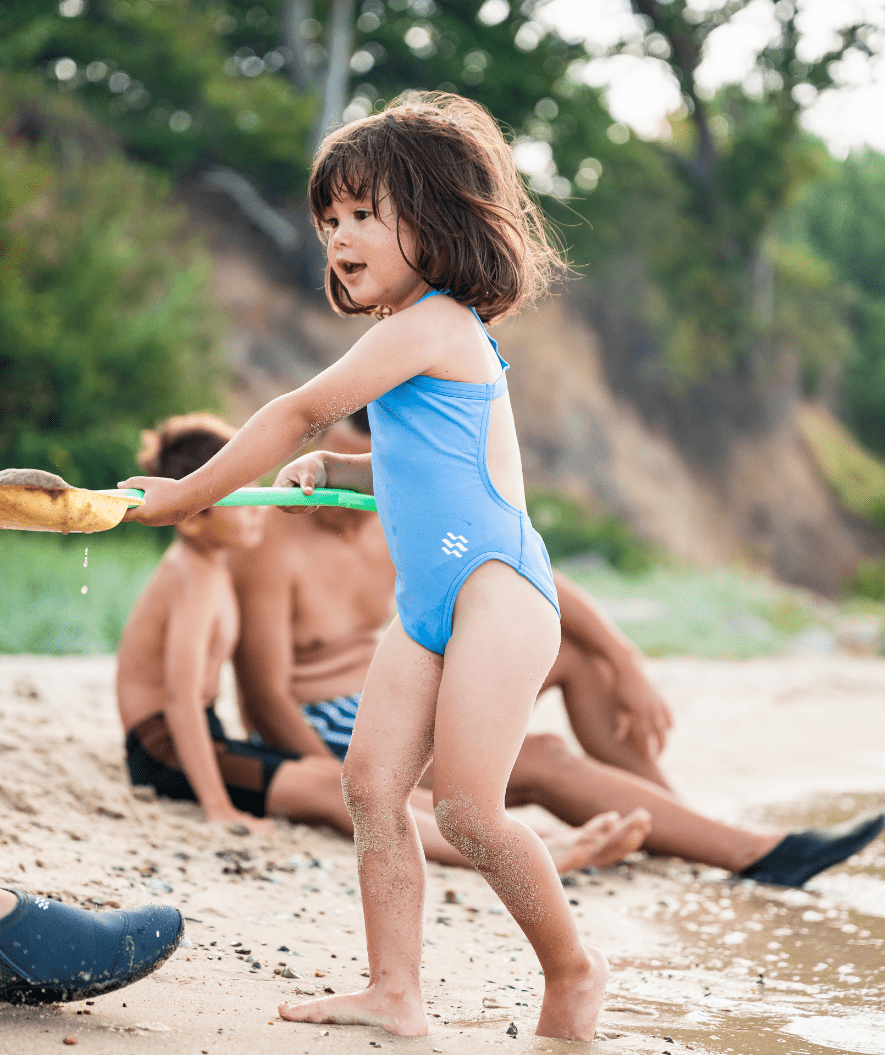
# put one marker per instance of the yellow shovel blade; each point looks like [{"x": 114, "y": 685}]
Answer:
[{"x": 67, "y": 509}]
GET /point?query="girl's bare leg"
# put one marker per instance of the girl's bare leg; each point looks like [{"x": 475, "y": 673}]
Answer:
[
  {"x": 392, "y": 743},
  {"x": 505, "y": 639}
]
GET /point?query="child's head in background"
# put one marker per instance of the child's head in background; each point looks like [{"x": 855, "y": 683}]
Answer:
[
  {"x": 177, "y": 448},
  {"x": 452, "y": 181}
]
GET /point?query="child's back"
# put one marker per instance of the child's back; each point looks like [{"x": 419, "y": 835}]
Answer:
[
  {"x": 182, "y": 629},
  {"x": 185, "y": 582}
]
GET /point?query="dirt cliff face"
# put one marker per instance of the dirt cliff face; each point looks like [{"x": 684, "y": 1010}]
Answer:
[{"x": 759, "y": 498}]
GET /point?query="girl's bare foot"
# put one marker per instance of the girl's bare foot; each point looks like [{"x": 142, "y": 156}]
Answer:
[
  {"x": 602, "y": 841},
  {"x": 571, "y": 1005},
  {"x": 394, "y": 1012}
]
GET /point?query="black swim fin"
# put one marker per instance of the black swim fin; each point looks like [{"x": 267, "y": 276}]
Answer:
[{"x": 801, "y": 855}]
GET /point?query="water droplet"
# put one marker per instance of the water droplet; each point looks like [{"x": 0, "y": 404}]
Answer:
[
  {"x": 86, "y": 558},
  {"x": 84, "y": 590}
]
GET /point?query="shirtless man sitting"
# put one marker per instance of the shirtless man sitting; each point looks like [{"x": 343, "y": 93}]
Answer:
[{"x": 315, "y": 597}]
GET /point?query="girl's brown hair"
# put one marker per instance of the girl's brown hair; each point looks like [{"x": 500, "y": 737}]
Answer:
[{"x": 451, "y": 177}]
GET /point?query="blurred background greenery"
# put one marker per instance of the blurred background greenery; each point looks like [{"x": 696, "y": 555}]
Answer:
[{"x": 735, "y": 249}]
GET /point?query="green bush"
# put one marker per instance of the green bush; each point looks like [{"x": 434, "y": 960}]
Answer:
[
  {"x": 569, "y": 526},
  {"x": 869, "y": 580},
  {"x": 856, "y": 475},
  {"x": 105, "y": 319}
]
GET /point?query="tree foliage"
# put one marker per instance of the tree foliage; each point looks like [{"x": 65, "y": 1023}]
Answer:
[
  {"x": 844, "y": 220},
  {"x": 171, "y": 79},
  {"x": 104, "y": 327},
  {"x": 740, "y": 159}
]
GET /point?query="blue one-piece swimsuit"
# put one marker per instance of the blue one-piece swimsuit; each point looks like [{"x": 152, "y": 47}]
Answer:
[{"x": 441, "y": 514}]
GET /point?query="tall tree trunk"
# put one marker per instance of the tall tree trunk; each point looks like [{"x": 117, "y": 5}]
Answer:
[
  {"x": 296, "y": 12},
  {"x": 340, "y": 39}
]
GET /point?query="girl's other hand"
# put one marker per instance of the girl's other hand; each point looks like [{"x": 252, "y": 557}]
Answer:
[
  {"x": 162, "y": 501},
  {"x": 307, "y": 472}
]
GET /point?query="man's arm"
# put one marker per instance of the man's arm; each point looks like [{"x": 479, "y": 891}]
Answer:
[
  {"x": 263, "y": 659},
  {"x": 643, "y": 716}
]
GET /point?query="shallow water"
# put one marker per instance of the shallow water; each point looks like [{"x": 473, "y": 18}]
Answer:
[{"x": 756, "y": 970}]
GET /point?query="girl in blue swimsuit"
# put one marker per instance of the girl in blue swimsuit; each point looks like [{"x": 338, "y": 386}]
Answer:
[{"x": 428, "y": 228}]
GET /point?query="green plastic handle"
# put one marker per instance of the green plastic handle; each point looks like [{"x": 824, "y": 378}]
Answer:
[{"x": 290, "y": 496}]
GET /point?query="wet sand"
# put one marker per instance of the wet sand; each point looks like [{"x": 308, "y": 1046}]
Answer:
[{"x": 699, "y": 964}]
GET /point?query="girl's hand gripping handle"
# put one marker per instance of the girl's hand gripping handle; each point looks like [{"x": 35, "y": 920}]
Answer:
[
  {"x": 307, "y": 472},
  {"x": 162, "y": 503},
  {"x": 319, "y": 469}
]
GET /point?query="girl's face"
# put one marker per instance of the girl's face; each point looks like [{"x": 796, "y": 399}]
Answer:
[{"x": 362, "y": 249}]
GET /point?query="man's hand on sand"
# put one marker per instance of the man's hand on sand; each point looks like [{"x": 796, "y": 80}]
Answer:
[
  {"x": 642, "y": 715},
  {"x": 237, "y": 819}
]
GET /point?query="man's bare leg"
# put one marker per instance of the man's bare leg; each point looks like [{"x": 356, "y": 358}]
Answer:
[
  {"x": 575, "y": 787},
  {"x": 392, "y": 743},
  {"x": 601, "y": 842},
  {"x": 309, "y": 791},
  {"x": 587, "y": 682}
]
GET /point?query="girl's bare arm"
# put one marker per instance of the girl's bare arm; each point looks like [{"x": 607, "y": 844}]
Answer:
[{"x": 383, "y": 358}]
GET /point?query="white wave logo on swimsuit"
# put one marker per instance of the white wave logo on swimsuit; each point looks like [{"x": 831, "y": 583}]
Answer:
[{"x": 454, "y": 545}]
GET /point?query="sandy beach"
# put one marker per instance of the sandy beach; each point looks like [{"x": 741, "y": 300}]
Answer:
[{"x": 698, "y": 963}]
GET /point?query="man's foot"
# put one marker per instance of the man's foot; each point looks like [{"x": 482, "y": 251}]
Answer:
[
  {"x": 602, "y": 841},
  {"x": 801, "y": 855},
  {"x": 391, "y": 1012},
  {"x": 571, "y": 1007},
  {"x": 51, "y": 952}
]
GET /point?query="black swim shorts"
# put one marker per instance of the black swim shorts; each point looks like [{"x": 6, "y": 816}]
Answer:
[{"x": 246, "y": 769}]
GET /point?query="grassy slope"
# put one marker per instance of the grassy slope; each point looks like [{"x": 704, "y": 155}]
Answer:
[
  {"x": 43, "y": 575},
  {"x": 680, "y": 611},
  {"x": 665, "y": 610},
  {"x": 856, "y": 476}
]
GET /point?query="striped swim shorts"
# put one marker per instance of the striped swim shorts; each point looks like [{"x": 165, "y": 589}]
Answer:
[{"x": 333, "y": 720}]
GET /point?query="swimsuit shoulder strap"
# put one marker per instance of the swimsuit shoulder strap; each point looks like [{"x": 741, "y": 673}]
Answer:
[{"x": 445, "y": 293}]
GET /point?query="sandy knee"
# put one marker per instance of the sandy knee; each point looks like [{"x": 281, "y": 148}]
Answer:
[
  {"x": 377, "y": 801},
  {"x": 469, "y": 828}
]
